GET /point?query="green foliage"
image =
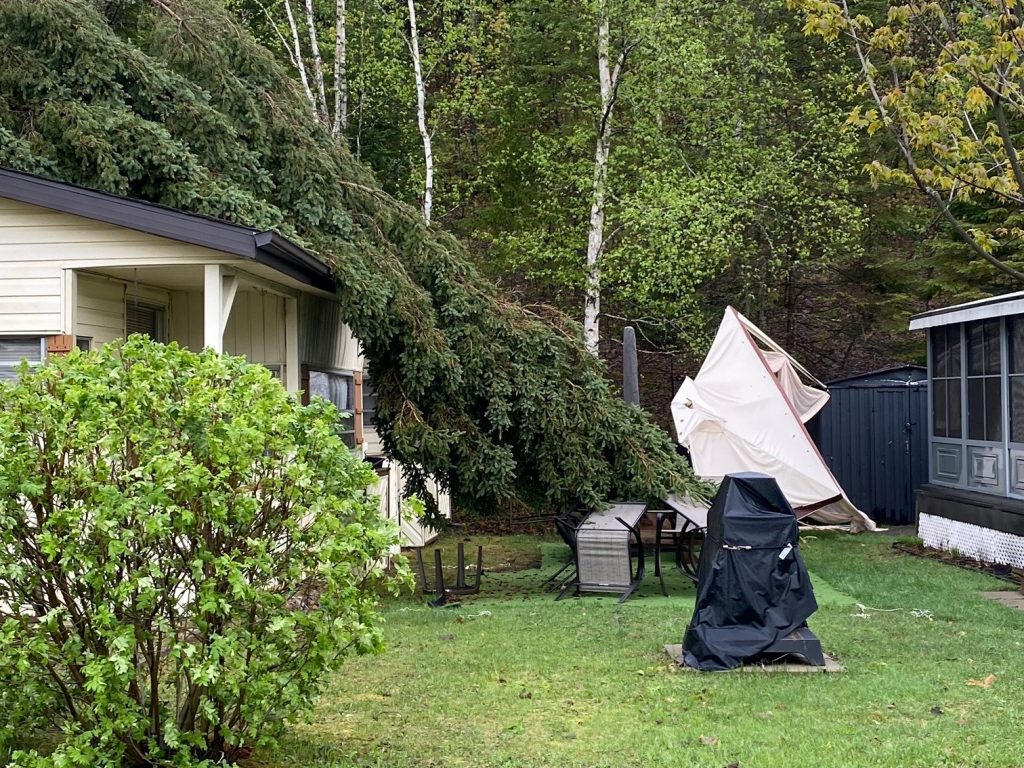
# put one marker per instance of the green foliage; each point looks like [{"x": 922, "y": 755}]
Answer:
[
  {"x": 184, "y": 552},
  {"x": 728, "y": 173},
  {"x": 174, "y": 102},
  {"x": 942, "y": 80},
  {"x": 733, "y": 168}
]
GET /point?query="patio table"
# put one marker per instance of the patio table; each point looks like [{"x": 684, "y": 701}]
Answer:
[
  {"x": 604, "y": 561},
  {"x": 688, "y": 532}
]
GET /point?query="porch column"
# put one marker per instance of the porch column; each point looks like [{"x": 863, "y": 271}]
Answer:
[
  {"x": 219, "y": 290},
  {"x": 213, "y": 336},
  {"x": 291, "y": 344}
]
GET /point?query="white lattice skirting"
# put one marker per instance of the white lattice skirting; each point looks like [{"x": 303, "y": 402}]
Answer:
[{"x": 972, "y": 540}]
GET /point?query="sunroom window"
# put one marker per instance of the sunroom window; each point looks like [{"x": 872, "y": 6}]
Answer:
[
  {"x": 1015, "y": 331},
  {"x": 984, "y": 386},
  {"x": 946, "y": 395}
]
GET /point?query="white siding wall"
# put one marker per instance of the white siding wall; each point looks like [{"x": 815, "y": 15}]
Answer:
[
  {"x": 185, "y": 319},
  {"x": 324, "y": 340},
  {"x": 39, "y": 247},
  {"x": 100, "y": 311},
  {"x": 414, "y": 533},
  {"x": 30, "y": 278},
  {"x": 255, "y": 326}
]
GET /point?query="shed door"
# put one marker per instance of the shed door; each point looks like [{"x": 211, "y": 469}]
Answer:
[{"x": 892, "y": 431}]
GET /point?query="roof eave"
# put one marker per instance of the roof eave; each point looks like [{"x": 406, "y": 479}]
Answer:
[
  {"x": 269, "y": 248},
  {"x": 280, "y": 253},
  {"x": 995, "y": 306}
]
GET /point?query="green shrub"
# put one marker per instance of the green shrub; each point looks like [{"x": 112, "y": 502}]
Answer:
[{"x": 185, "y": 551}]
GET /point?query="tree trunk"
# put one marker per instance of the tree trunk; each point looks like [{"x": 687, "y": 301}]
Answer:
[
  {"x": 609, "y": 82},
  {"x": 300, "y": 63},
  {"x": 421, "y": 114},
  {"x": 318, "y": 66},
  {"x": 340, "y": 72}
]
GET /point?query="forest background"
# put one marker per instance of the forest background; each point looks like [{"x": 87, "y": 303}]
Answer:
[{"x": 732, "y": 172}]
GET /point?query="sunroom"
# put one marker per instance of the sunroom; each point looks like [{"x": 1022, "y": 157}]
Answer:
[{"x": 974, "y": 501}]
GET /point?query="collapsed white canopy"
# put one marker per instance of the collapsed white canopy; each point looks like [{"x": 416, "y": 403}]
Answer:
[{"x": 746, "y": 410}]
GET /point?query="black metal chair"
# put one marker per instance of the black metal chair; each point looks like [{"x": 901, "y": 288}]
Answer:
[
  {"x": 566, "y": 525},
  {"x": 686, "y": 538}
]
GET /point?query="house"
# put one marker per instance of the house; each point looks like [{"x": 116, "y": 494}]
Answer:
[
  {"x": 974, "y": 499},
  {"x": 80, "y": 268}
]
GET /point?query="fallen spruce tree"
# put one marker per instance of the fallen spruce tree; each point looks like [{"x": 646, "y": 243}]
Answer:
[{"x": 173, "y": 102}]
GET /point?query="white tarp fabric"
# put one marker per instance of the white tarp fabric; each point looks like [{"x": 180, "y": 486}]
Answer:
[{"x": 745, "y": 411}]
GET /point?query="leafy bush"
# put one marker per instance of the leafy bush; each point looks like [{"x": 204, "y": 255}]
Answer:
[{"x": 185, "y": 551}]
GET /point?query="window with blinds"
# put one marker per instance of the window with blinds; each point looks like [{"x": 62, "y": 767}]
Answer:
[
  {"x": 338, "y": 388},
  {"x": 144, "y": 318},
  {"x": 14, "y": 350}
]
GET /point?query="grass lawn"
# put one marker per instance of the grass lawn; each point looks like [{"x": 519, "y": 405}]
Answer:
[{"x": 514, "y": 679}]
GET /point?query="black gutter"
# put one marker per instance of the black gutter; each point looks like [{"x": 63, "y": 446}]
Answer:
[
  {"x": 286, "y": 257},
  {"x": 268, "y": 248}
]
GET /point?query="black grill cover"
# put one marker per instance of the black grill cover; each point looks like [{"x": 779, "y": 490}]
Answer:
[{"x": 747, "y": 598}]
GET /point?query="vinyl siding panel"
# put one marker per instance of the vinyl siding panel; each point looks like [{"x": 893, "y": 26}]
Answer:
[
  {"x": 324, "y": 340},
  {"x": 100, "y": 311},
  {"x": 256, "y": 328},
  {"x": 185, "y": 319},
  {"x": 38, "y": 246},
  {"x": 99, "y": 314}
]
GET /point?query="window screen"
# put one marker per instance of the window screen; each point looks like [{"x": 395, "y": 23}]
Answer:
[
  {"x": 984, "y": 385},
  {"x": 1015, "y": 331},
  {"x": 338, "y": 388},
  {"x": 947, "y": 397},
  {"x": 14, "y": 350}
]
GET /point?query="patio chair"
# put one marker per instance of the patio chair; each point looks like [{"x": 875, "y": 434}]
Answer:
[
  {"x": 671, "y": 526},
  {"x": 606, "y": 541}
]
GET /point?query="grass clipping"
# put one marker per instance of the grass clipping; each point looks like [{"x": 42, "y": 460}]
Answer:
[{"x": 174, "y": 102}]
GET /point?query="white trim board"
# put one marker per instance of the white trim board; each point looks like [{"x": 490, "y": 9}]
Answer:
[{"x": 982, "y": 309}]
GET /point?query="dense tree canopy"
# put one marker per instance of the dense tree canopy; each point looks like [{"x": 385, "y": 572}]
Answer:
[
  {"x": 175, "y": 102},
  {"x": 732, "y": 177},
  {"x": 941, "y": 82}
]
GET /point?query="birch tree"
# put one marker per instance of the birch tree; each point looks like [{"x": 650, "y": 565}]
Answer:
[
  {"x": 608, "y": 76},
  {"x": 340, "y": 71},
  {"x": 421, "y": 114},
  {"x": 296, "y": 53},
  {"x": 312, "y": 73},
  {"x": 318, "y": 65}
]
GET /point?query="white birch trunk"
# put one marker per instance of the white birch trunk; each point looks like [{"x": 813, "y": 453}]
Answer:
[
  {"x": 340, "y": 72},
  {"x": 318, "y": 66},
  {"x": 421, "y": 114},
  {"x": 300, "y": 63},
  {"x": 595, "y": 241}
]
